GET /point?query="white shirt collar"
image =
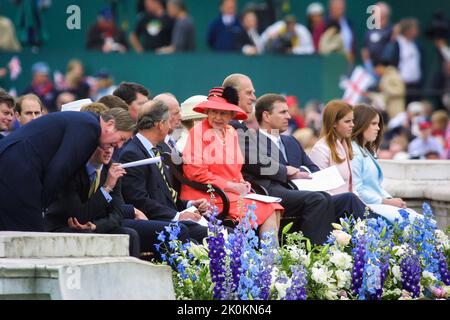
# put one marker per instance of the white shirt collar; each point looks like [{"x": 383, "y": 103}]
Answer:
[
  {"x": 275, "y": 139},
  {"x": 146, "y": 143}
]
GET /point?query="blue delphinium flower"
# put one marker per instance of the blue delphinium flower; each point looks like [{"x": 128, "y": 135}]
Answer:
[
  {"x": 235, "y": 245},
  {"x": 217, "y": 255},
  {"x": 297, "y": 290},
  {"x": 423, "y": 240},
  {"x": 359, "y": 253},
  {"x": 250, "y": 259},
  {"x": 268, "y": 245},
  {"x": 411, "y": 273},
  {"x": 443, "y": 269},
  {"x": 378, "y": 242}
]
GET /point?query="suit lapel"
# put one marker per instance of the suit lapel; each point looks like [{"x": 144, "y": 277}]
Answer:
[{"x": 155, "y": 172}]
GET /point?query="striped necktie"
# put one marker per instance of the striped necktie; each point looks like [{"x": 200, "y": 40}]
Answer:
[
  {"x": 95, "y": 183},
  {"x": 173, "y": 192}
]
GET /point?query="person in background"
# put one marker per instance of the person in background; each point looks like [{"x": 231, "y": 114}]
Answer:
[
  {"x": 439, "y": 122},
  {"x": 316, "y": 22},
  {"x": 336, "y": 10},
  {"x": 62, "y": 98},
  {"x": 306, "y": 138},
  {"x": 335, "y": 147},
  {"x": 183, "y": 34},
  {"x": 288, "y": 37},
  {"x": 189, "y": 118},
  {"x": 424, "y": 143},
  {"x": 222, "y": 31},
  {"x": 75, "y": 80},
  {"x": 331, "y": 40},
  {"x": 296, "y": 121},
  {"x": 42, "y": 86},
  {"x": 104, "y": 86},
  {"x": 8, "y": 38},
  {"x": 376, "y": 39},
  {"x": 153, "y": 28},
  {"x": 248, "y": 41},
  {"x": 406, "y": 55},
  {"x": 105, "y": 36},
  {"x": 391, "y": 89},
  {"x": 28, "y": 107}
]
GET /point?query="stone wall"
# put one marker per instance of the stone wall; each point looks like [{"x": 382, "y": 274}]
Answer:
[
  {"x": 417, "y": 181},
  {"x": 77, "y": 267}
]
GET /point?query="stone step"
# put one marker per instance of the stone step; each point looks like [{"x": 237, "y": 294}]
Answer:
[
  {"x": 112, "y": 278},
  {"x": 61, "y": 245}
]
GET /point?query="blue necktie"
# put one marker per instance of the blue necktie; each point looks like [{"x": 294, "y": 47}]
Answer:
[{"x": 282, "y": 149}]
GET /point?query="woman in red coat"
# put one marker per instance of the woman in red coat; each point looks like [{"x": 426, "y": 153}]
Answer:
[{"x": 212, "y": 155}]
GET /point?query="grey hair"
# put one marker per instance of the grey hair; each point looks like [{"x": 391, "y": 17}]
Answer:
[{"x": 157, "y": 112}]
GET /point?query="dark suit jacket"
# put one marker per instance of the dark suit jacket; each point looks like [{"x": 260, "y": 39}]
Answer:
[
  {"x": 145, "y": 188},
  {"x": 265, "y": 164},
  {"x": 74, "y": 201},
  {"x": 39, "y": 159}
]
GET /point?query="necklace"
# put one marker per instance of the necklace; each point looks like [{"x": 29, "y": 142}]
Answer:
[{"x": 220, "y": 135}]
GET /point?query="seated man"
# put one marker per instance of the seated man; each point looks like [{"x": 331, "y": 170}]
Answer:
[
  {"x": 272, "y": 160},
  {"x": 148, "y": 187},
  {"x": 92, "y": 202}
]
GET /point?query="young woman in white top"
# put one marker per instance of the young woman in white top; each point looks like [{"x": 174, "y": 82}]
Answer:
[{"x": 334, "y": 147}]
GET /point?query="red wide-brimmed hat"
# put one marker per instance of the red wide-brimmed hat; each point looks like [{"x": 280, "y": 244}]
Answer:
[{"x": 216, "y": 101}]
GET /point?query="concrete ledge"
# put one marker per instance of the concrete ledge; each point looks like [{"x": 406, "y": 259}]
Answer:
[
  {"x": 60, "y": 245},
  {"x": 417, "y": 181},
  {"x": 123, "y": 278}
]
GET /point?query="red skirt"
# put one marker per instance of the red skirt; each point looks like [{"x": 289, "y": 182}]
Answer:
[{"x": 263, "y": 210}]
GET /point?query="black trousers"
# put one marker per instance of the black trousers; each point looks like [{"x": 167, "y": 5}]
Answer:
[
  {"x": 349, "y": 204},
  {"x": 314, "y": 211}
]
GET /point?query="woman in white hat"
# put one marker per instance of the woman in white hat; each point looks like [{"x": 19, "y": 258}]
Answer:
[
  {"x": 316, "y": 22},
  {"x": 189, "y": 118}
]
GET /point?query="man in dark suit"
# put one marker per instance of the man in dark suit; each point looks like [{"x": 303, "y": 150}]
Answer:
[
  {"x": 148, "y": 187},
  {"x": 272, "y": 160},
  {"x": 38, "y": 159},
  {"x": 92, "y": 202}
]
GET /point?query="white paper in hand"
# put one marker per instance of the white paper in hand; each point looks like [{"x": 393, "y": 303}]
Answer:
[
  {"x": 141, "y": 162},
  {"x": 262, "y": 198},
  {"x": 323, "y": 180},
  {"x": 202, "y": 221}
]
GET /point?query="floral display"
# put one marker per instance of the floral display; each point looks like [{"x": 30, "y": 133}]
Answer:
[{"x": 368, "y": 259}]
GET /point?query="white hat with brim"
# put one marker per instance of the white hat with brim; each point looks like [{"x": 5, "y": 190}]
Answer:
[
  {"x": 315, "y": 8},
  {"x": 76, "y": 105},
  {"x": 186, "y": 108}
]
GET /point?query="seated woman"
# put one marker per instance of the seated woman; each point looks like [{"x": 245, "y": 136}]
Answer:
[
  {"x": 334, "y": 147},
  {"x": 212, "y": 155},
  {"x": 367, "y": 174}
]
